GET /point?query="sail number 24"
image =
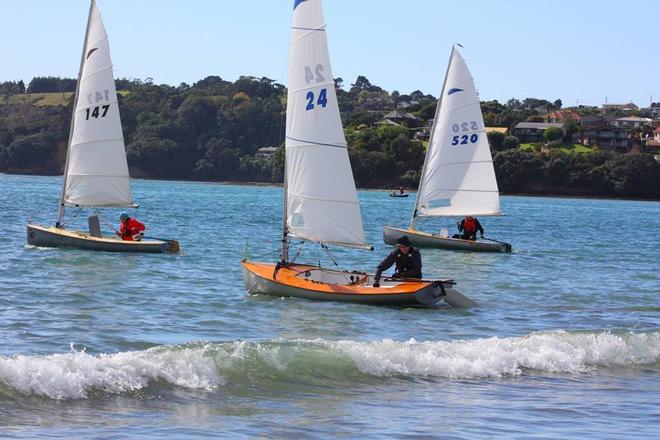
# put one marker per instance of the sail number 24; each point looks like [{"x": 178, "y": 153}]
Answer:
[
  {"x": 317, "y": 76},
  {"x": 464, "y": 139}
]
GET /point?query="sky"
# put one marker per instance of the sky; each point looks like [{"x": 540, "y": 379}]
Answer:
[{"x": 582, "y": 52}]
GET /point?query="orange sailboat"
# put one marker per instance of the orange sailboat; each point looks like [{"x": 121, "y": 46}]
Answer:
[{"x": 320, "y": 199}]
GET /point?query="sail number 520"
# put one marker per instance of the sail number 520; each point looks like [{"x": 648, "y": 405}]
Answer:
[{"x": 465, "y": 138}]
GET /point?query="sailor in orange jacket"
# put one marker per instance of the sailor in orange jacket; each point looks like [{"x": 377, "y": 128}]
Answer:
[
  {"x": 130, "y": 229},
  {"x": 469, "y": 227}
]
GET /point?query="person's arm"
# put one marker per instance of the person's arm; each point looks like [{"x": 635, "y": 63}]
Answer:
[
  {"x": 384, "y": 265},
  {"x": 459, "y": 225},
  {"x": 480, "y": 228}
]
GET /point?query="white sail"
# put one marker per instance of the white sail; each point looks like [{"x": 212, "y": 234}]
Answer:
[
  {"x": 458, "y": 178},
  {"x": 322, "y": 202},
  {"x": 96, "y": 173}
]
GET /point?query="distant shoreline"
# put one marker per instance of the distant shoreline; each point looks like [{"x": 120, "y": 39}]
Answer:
[{"x": 387, "y": 190}]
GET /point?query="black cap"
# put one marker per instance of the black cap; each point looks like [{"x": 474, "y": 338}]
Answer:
[{"x": 404, "y": 241}]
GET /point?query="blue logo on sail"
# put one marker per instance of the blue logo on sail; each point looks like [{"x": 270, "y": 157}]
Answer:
[
  {"x": 451, "y": 91},
  {"x": 297, "y": 2}
]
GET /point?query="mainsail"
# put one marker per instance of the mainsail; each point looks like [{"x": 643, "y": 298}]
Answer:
[
  {"x": 321, "y": 200},
  {"x": 96, "y": 172},
  {"x": 458, "y": 178}
]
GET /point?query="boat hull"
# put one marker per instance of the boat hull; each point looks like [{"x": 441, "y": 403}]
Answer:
[
  {"x": 298, "y": 281},
  {"x": 425, "y": 240},
  {"x": 59, "y": 237}
]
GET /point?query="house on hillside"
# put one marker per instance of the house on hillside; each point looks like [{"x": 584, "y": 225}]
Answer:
[
  {"x": 397, "y": 117},
  {"x": 624, "y": 107},
  {"x": 502, "y": 130},
  {"x": 266, "y": 151},
  {"x": 600, "y": 132},
  {"x": 652, "y": 112},
  {"x": 562, "y": 116},
  {"x": 533, "y": 131},
  {"x": 632, "y": 122},
  {"x": 653, "y": 144}
]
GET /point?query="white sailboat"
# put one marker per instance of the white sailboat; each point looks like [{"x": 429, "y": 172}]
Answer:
[
  {"x": 458, "y": 178},
  {"x": 96, "y": 170},
  {"x": 320, "y": 199}
]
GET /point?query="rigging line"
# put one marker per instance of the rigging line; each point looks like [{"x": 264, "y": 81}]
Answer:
[
  {"x": 98, "y": 140},
  {"x": 276, "y": 251},
  {"x": 327, "y": 251},
  {"x": 313, "y": 86},
  {"x": 96, "y": 43},
  {"x": 349, "y": 202},
  {"x": 461, "y": 190},
  {"x": 98, "y": 175},
  {"x": 311, "y": 30},
  {"x": 465, "y": 106},
  {"x": 470, "y": 79},
  {"x": 337, "y": 243},
  {"x": 444, "y": 164},
  {"x": 96, "y": 72},
  {"x": 312, "y": 143},
  {"x": 321, "y": 29}
]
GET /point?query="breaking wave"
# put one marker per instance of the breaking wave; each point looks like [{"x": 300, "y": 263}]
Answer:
[{"x": 210, "y": 366}]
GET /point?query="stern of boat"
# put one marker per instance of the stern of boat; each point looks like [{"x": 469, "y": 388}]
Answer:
[{"x": 391, "y": 235}]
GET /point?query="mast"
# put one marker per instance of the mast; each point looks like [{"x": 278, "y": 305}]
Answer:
[
  {"x": 60, "y": 211},
  {"x": 284, "y": 255},
  {"x": 426, "y": 157}
]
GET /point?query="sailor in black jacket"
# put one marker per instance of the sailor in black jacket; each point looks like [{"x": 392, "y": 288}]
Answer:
[{"x": 407, "y": 259}]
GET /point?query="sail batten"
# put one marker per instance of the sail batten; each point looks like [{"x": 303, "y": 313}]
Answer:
[
  {"x": 321, "y": 199},
  {"x": 458, "y": 177},
  {"x": 97, "y": 171}
]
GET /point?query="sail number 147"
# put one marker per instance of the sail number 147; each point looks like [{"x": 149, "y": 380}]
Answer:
[
  {"x": 96, "y": 111},
  {"x": 464, "y": 139}
]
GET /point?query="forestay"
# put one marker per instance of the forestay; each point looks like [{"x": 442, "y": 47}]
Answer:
[
  {"x": 458, "y": 177},
  {"x": 321, "y": 202},
  {"x": 97, "y": 172}
]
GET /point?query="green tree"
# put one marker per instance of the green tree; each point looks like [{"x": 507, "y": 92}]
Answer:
[
  {"x": 496, "y": 140},
  {"x": 552, "y": 134},
  {"x": 510, "y": 142}
]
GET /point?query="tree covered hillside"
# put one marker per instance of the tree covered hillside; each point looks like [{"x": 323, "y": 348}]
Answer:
[{"x": 213, "y": 130}]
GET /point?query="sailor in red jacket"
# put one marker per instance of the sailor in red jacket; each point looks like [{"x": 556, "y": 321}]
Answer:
[
  {"x": 469, "y": 227},
  {"x": 130, "y": 229}
]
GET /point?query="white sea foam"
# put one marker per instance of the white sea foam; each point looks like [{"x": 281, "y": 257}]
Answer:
[
  {"x": 73, "y": 375},
  {"x": 207, "y": 366},
  {"x": 555, "y": 352}
]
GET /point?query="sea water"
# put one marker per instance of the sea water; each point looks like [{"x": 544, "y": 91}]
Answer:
[{"x": 565, "y": 343}]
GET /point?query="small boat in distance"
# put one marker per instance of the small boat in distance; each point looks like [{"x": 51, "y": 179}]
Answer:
[
  {"x": 398, "y": 193},
  {"x": 320, "y": 199},
  {"x": 96, "y": 170},
  {"x": 458, "y": 178}
]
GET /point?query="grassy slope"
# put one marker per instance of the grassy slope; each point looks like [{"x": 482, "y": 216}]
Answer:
[
  {"x": 566, "y": 148},
  {"x": 46, "y": 99}
]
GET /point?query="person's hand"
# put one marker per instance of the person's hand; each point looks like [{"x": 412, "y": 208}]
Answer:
[
  {"x": 481, "y": 234},
  {"x": 117, "y": 233},
  {"x": 376, "y": 285}
]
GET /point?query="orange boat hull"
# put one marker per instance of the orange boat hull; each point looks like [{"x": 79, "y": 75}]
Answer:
[{"x": 311, "y": 282}]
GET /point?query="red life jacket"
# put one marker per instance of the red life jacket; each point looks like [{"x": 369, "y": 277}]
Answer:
[
  {"x": 129, "y": 228},
  {"x": 470, "y": 226}
]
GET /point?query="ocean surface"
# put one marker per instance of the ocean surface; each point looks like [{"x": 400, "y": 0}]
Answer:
[{"x": 566, "y": 343}]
